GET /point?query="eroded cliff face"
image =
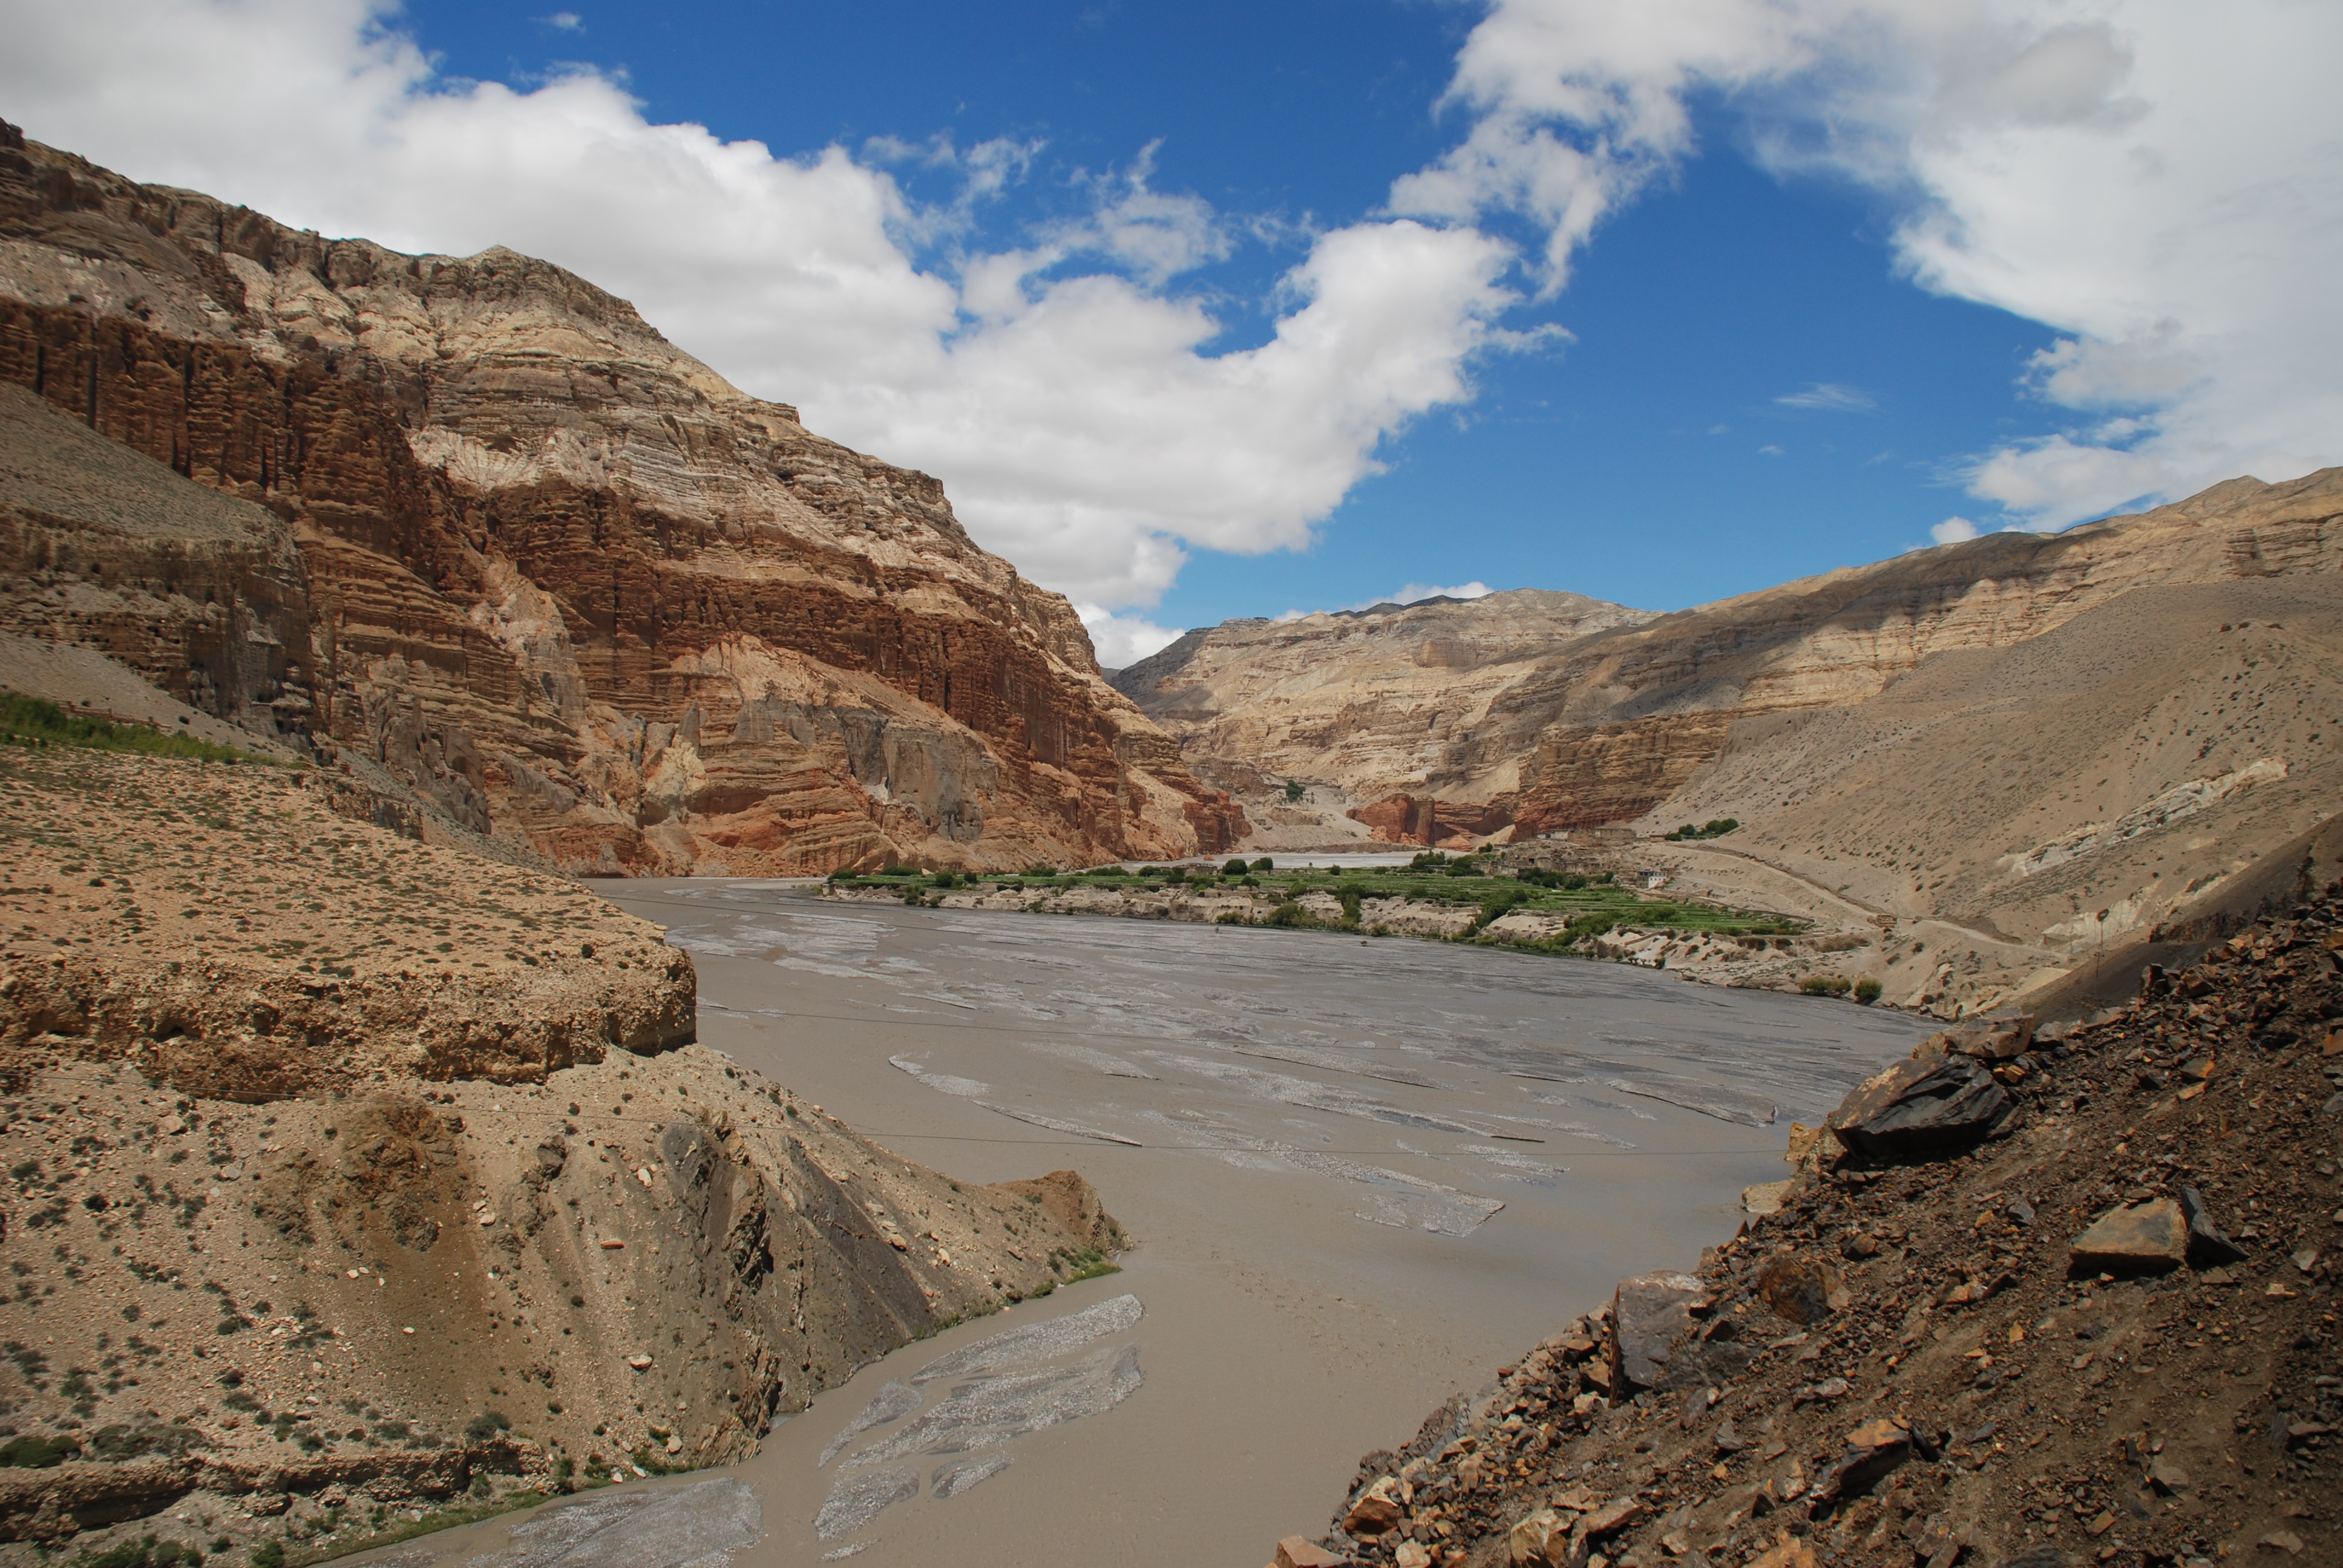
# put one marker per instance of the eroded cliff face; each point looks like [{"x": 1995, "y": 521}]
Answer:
[
  {"x": 553, "y": 574},
  {"x": 1446, "y": 722},
  {"x": 1365, "y": 709}
]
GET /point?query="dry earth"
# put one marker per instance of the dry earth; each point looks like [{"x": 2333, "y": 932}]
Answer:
[
  {"x": 1917, "y": 1358},
  {"x": 348, "y": 1175}
]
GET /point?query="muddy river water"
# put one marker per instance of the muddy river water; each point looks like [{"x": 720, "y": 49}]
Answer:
[{"x": 1362, "y": 1175}]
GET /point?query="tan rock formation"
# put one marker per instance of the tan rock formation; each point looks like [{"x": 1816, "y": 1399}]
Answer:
[
  {"x": 343, "y": 1163},
  {"x": 1991, "y": 762},
  {"x": 558, "y": 577},
  {"x": 1367, "y": 708}
]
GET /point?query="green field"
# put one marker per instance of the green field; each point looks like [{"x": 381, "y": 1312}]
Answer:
[{"x": 1595, "y": 905}]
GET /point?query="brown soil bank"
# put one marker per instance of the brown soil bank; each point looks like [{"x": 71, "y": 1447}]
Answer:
[
  {"x": 2074, "y": 1306},
  {"x": 348, "y": 1173}
]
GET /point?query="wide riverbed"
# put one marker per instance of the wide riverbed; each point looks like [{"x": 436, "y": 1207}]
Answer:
[{"x": 1362, "y": 1176}]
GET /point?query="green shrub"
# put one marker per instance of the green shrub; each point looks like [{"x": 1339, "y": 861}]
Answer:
[
  {"x": 1500, "y": 901},
  {"x": 31, "y": 722},
  {"x": 1264, "y": 864},
  {"x": 945, "y": 879},
  {"x": 486, "y": 1424},
  {"x": 1175, "y": 877},
  {"x": 269, "y": 1554},
  {"x": 1866, "y": 990},
  {"x": 36, "y": 1452},
  {"x": 1351, "y": 894},
  {"x": 1583, "y": 927},
  {"x": 1040, "y": 871},
  {"x": 1293, "y": 791},
  {"x": 1235, "y": 867},
  {"x": 1825, "y": 985},
  {"x": 1289, "y": 914},
  {"x": 1465, "y": 868}
]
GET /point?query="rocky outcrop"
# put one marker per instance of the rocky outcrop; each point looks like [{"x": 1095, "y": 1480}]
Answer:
[{"x": 555, "y": 575}]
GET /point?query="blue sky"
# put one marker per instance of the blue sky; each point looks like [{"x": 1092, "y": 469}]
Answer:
[
  {"x": 1646, "y": 460},
  {"x": 1224, "y": 310}
]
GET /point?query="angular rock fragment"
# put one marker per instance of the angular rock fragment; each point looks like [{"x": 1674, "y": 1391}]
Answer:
[
  {"x": 1922, "y": 1107},
  {"x": 2207, "y": 1247},
  {"x": 1540, "y": 1541},
  {"x": 2138, "y": 1239},
  {"x": 1873, "y": 1450},
  {"x": 1803, "y": 1290},
  {"x": 1649, "y": 1312},
  {"x": 1300, "y": 1552},
  {"x": 1378, "y": 1508}
]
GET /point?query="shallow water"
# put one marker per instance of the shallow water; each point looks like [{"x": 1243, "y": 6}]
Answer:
[{"x": 1362, "y": 1174}]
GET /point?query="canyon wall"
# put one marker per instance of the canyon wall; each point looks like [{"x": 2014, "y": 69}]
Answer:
[
  {"x": 1533, "y": 712},
  {"x": 551, "y": 573}
]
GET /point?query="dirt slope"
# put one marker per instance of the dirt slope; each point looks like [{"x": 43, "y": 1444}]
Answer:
[
  {"x": 544, "y": 568},
  {"x": 1909, "y": 1362},
  {"x": 348, "y": 1173},
  {"x": 2013, "y": 817}
]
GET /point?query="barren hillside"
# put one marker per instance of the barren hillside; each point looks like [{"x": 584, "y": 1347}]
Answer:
[{"x": 348, "y": 1172}]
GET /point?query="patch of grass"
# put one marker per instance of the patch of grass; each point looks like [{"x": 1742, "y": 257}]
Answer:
[
  {"x": 33, "y": 721},
  {"x": 447, "y": 1518}
]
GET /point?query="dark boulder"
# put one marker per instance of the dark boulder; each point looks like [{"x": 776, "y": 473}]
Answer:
[{"x": 1922, "y": 1107}]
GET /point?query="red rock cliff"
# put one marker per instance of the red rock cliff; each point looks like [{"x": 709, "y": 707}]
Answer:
[{"x": 562, "y": 578}]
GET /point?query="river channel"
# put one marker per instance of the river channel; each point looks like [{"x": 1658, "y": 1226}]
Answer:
[{"x": 1361, "y": 1175}]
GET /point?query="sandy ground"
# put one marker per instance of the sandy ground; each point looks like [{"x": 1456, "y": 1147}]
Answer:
[{"x": 1342, "y": 1217}]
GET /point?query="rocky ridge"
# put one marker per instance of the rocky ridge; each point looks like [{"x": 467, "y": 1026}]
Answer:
[
  {"x": 351, "y": 1178},
  {"x": 2035, "y": 1301},
  {"x": 557, "y": 577}
]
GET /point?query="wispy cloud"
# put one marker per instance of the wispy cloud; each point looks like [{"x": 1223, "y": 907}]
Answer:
[
  {"x": 1831, "y": 398},
  {"x": 1769, "y": 450},
  {"x": 563, "y": 22}
]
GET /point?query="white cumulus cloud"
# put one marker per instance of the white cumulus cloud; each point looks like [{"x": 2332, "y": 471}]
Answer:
[
  {"x": 1068, "y": 398},
  {"x": 1953, "y": 531},
  {"x": 1123, "y": 641},
  {"x": 2157, "y": 180}
]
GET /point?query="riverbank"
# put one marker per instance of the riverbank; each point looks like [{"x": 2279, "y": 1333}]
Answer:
[{"x": 1708, "y": 943}]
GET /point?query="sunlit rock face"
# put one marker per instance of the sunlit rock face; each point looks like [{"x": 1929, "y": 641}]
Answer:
[{"x": 562, "y": 579}]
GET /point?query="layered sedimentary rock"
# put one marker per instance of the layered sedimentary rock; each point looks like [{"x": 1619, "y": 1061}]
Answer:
[
  {"x": 1362, "y": 709},
  {"x": 557, "y": 575},
  {"x": 1545, "y": 711}
]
